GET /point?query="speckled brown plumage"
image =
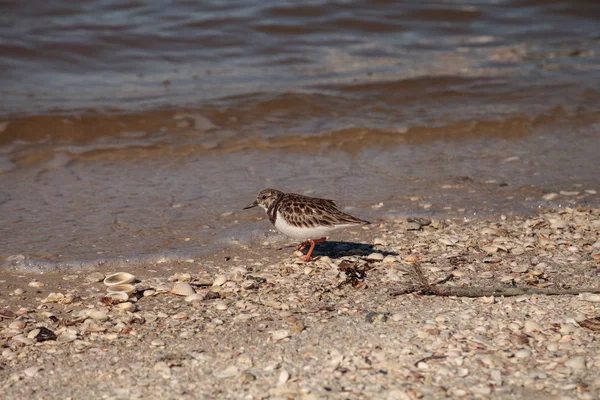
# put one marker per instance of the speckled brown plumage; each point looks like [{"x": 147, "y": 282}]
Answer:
[{"x": 305, "y": 212}]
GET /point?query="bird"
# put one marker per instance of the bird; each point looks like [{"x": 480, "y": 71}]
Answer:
[{"x": 305, "y": 218}]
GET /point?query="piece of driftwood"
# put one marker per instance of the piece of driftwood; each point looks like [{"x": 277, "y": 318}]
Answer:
[{"x": 425, "y": 288}]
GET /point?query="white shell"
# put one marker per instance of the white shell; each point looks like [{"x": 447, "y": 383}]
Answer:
[
  {"x": 163, "y": 287},
  {"x": 127, "y": 306},
  {"x": 98, "y": 315},
  {"x": 219, "y": 280},
  {"x": 192, "y": 298},
  {"x": 66, "y": 337},
  {"x": 183, "y": 289},
  {"x": 127, "y": 288},
  {"x": 120, "y": 278},
  {"x": 118, "y": 297}
]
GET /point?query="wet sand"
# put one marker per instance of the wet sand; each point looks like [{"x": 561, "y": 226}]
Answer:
[
  {"x": 274, "y": 327},
  {"x": 87, "y": 205}
]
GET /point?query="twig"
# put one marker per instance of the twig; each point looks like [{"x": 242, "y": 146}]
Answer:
[{"x": 429, "y": 358}]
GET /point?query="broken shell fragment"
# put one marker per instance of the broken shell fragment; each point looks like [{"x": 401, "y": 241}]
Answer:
[
  {"x": 120, "y": 278},
  {"x": 183, "y": 289},
  {"x": 118, "y": 297}
]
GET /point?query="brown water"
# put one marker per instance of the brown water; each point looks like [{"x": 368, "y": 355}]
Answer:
[{"x": 132, "y": 130}]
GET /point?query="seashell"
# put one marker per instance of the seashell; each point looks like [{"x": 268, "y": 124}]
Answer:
[
  {"x": 97, "y": 315},
  {"x": 127, "y": 306},
  {"x": 180, "y": 277},
  {"x": 375, "y": 257},
  {"x": 7, "y": 314},
  {"x": 120, "y": 278},
  {"x": 183, "y": 289},
  {"x": 49, "y": 315},
  {"x": 249, "y": 284},
  {"x": 591, "y": 297},
  {"x": 389, "y": 259},
  {"x": 66, "y": 337},
  {"x": 332, "y": 273},
  {"x": 280, "y": 335},
  {"x": 219, "y": 280},
  {"x": 163, "y": 287},
  {"x": 126, "y": 287},
  {"x": 17, "y": 324},
  {"x": 192, "y": 298},
  {"x": 118, "y": 297},
  {"x": 54, "y": 298},
  {"x": 33, "y": 333},
  {"x": 22, "y": 339}
]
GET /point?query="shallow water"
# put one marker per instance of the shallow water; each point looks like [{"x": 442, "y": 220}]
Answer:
[{"x": 133, "y": 130}]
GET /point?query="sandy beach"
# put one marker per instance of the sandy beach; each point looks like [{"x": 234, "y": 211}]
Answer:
[
  {"x": 263, "y": 325},
  {"x": 132, "y": 134}
]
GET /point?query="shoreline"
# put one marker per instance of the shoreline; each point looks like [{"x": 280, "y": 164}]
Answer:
[{"x": 274, "y": 327}]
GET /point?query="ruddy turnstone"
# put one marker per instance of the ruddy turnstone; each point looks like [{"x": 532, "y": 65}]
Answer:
[{"x": 305, "y": 218}]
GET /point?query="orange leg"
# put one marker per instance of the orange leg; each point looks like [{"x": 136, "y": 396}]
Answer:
[
  {"x": 302, "y": 245},
  {"x": 312, "y": 247}
]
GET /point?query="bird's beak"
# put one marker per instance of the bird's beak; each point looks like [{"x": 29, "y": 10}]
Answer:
[{"x": 251, "y": 205}]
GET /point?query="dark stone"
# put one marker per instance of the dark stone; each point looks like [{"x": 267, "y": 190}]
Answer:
[
  {"x": 45, "y": 334},
  {"x": 375, "y": 317}
]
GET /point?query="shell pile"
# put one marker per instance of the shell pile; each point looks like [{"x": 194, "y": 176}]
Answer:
[{"x": 119, "y": 286}]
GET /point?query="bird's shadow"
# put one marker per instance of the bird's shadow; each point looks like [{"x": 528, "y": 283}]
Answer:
[{"x": 340, "y": 249}]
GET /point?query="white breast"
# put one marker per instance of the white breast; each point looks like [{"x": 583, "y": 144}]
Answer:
[{"x": 306, "y": 233}]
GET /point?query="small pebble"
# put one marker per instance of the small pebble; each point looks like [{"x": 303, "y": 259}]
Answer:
[
  {"x": 283, "y": 378},
  {"x": 550, "y": 196},
  {"x": 280, "y": 335},
  {"x": 229, "y": 372},
  {"x": 372, "y": 317},
  {"x": 523, "y": 353},
  {"x": 532, "y": 326},
  {"x": 380, "y": 242},
  {"x": 66, "y": 337},
  {"x": 95, "y": 277},
  {"x": 576, "y": 363},
  {"x": 32, "y": 371}
]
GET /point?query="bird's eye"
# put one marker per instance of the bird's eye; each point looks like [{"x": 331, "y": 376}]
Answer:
[{"x": 264, "y": 197}]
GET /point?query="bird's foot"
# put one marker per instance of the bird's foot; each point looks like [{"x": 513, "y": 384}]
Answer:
[{"x": 312, "y": 242}]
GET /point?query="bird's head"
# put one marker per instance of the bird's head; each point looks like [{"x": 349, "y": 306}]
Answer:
[{"x": 265, "y": 199}]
